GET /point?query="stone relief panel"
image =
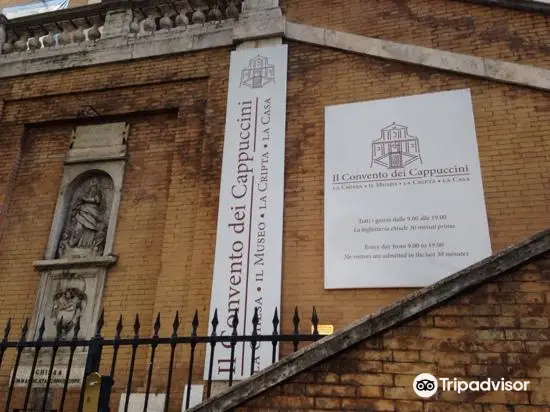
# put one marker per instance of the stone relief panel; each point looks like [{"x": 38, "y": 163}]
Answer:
[
  {"x": 68, "y": 295},
  {"x": 69, "y": 303},
  {"x": 87, "y": 219}
]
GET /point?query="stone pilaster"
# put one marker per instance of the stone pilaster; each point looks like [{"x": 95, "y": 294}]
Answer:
[
  {"x": 3, "y": 34},
  {"x": 261, "y": 24}
]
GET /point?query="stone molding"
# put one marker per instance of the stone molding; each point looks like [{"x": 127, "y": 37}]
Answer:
[
  {"x": 383, "y": 320},
  {"x": 95, "y": 261},
  {"x": 115, "y": 49},
  {"x": 496, "y": 70},
  {"x": 265, "y": 24}
]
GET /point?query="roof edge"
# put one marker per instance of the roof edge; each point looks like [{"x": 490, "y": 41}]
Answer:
[
  {"x": 382, "y": 320},
  {"x": 532, "y": 6}
]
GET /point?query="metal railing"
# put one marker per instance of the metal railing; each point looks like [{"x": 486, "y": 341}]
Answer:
[{"x": 97, "y": 343}]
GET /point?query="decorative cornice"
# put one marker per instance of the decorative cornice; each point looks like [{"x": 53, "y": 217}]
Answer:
[
  {"x": 124, "y": 19},
  {"x": 116, "y": 49},
  {"x": 119, "y": 44}
]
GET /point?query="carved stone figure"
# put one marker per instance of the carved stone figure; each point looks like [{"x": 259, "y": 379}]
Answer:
[
  {"x": 87, "y": 217},
  {"x": 3, "y": 22},
  {"x": 86, "y": 229},
  {"x": 69, "y": 302}
]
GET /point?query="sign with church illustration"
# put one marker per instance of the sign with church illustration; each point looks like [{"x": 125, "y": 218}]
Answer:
[{"x": 404, "y": 201}]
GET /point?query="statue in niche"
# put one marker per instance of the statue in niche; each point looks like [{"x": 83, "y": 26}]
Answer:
[
  {"x": 86, "y": 229},
  {"x": 69, "y": 302}
]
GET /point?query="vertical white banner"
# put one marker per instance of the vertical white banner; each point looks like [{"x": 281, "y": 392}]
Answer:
[{"x": 247, "y": 266}]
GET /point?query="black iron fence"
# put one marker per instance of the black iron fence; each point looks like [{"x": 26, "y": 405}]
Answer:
[{"x": 49, "y": 401}]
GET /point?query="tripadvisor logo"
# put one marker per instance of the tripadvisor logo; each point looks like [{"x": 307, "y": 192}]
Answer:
[{"x": 425, "y": 385}]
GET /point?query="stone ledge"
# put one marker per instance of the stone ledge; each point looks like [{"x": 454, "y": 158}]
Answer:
[
  {"x": 386, "y": 318},
  {"x": 496, "y": 70},
  {"x": 116, "y": 49},
  {"x": 94, "y": 158},
  {"x": 96, "y": 261},
  {"x": 533, "y": 6},
  {"x": 266, "y": 24}
]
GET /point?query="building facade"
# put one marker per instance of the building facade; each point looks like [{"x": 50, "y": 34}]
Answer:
[{"x": 113, "y": 119}]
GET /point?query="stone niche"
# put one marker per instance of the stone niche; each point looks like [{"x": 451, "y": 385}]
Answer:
[
  {"x": 86, "y": 217},
  {"x": 80, "y": 247}
]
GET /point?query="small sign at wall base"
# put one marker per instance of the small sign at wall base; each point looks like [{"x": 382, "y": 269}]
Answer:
[
  {"x": 57, "y": 379},
  {"x": 324, "y": 329}
]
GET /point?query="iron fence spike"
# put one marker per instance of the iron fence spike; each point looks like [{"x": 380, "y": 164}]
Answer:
[
  {"x": 296, "y": 320},
  {"x": 215, "y": 321},
  {"x": 7, "y": 329},
  {"x": 176, "y": 323},
  {"x": 315, "y": 321},
  {"x": 195, "y": 322},
  {"x": 255, "y": 321},
  {"x": 42, "y": 329},
  {"x": 136, "y": 325},
  {"x": 25, "y": 329},
  {"x": 314, "y": 317},
  {"x": 118, "y": 327},
  {"x": 59, "y": 329},
  {"x": 276, "y": 318},
  {"x": 235, "y": 322},
  {"x": 100, "y": 323},
  {"x": 76, "y": 328},
  {"x": 156, "y": 326}
]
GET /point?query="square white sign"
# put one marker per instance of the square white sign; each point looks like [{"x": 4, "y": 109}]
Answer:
[{"x": 404, "y": 202}]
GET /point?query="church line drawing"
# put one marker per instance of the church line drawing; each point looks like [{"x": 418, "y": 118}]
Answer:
[
  {"x": 258, "y": 73},
  {"x": 395, "y": 148}
]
